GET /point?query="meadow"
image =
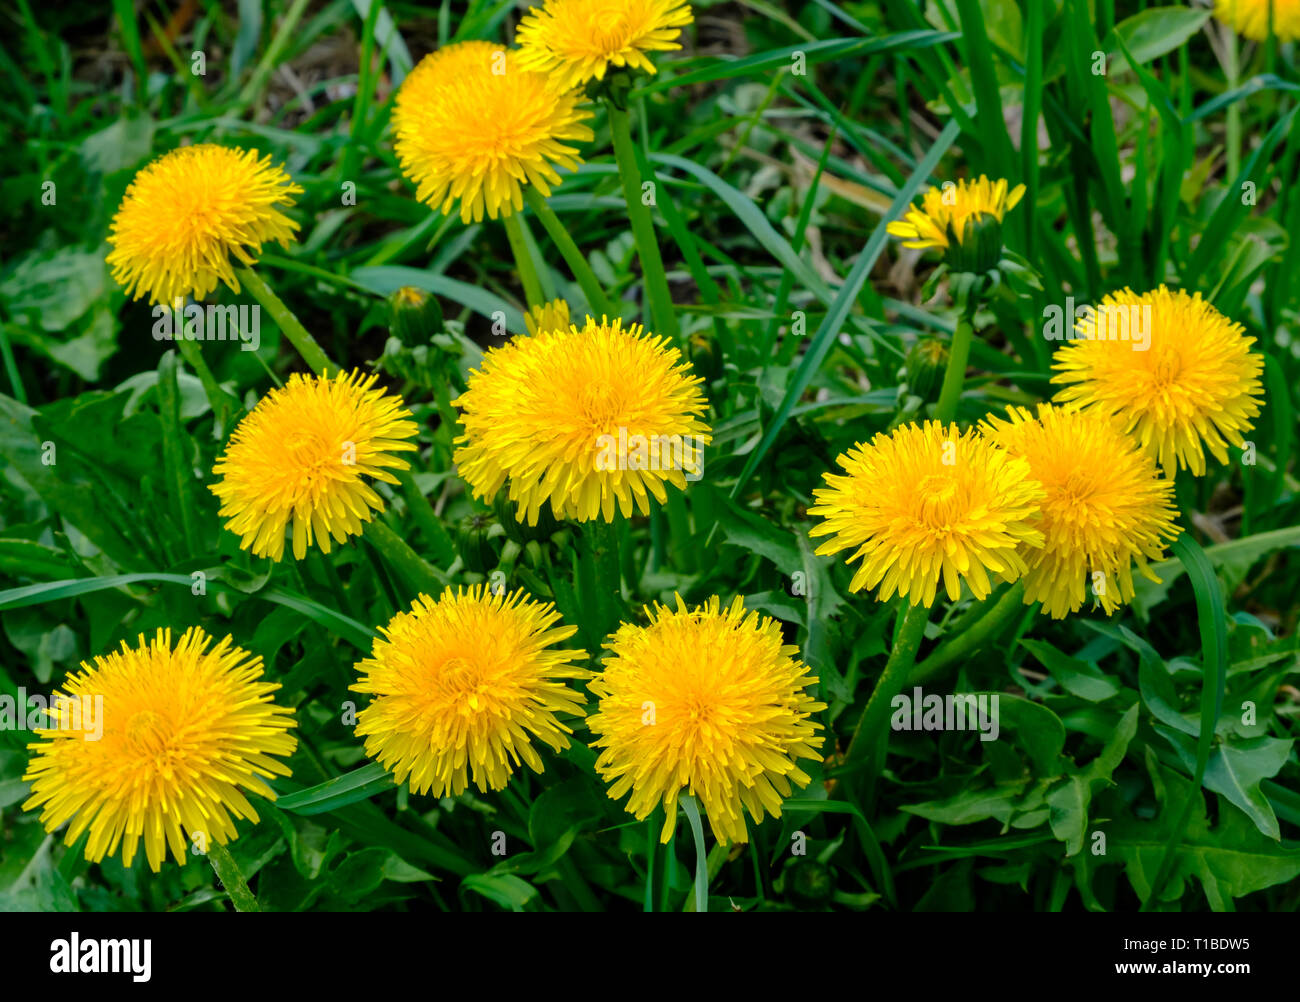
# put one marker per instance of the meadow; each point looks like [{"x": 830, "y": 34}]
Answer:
[{"x": 638, "y": 455}]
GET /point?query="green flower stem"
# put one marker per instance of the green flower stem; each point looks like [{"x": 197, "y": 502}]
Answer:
[
  {"x": 311, "y": 352},
  {"x": 227, "y": 871},
  {"x": 447, "y": 413},
  {"x": 870, "y": 741},
  {"x": 971, "y": 639},
  {"x": 222, "y": 403},
  {"x": 523, "y": 260},
  {"x": 955, "y": 375},
  {"x": 680, "y": 551},
  {"x": 410, "y": 566},
  {"x": 599, "y": 578},
  {"x": 665, "y": 874},
  {"x": 573, "y": 257},
  {"x": 653, "y": 861},
  {"x": 643, "y": 227}
]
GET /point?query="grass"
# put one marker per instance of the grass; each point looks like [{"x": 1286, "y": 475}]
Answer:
[{"x": 780, "y": 141}]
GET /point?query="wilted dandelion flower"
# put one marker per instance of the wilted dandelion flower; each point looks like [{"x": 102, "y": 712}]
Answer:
[
  {"x": 589, "y": 420},
  {"x": 552, "y": 316},
  {"x": 1250, "y": 18},
  {"x": 578, "y": 40},
  {"x": 463, "y": 686},
  {"x": 1105, "y": 508},
  {"x": 1193, "y": 386},
  {"x": 472, "y": 125},
  {"x": 927, "y": 503},
  {"x": 163, "y": 744},
  {"x": 707, "y": 701},
  {"x": 301, "y": 457},
  {"x": 963, "y": 219},
  {"x": 185, "y": 215}
]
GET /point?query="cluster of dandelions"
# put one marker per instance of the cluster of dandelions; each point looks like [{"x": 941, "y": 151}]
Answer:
[
  {"x": 1061, "y": 499},
  {"x": 475, "y": 122},
  {"x": 463, "y": 688},
  {"x": 705, "y": 701},
  {"x": 1069, "y": 500}
]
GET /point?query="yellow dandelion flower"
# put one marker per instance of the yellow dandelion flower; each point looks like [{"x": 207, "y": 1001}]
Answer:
[
  {"x": 552, "y": 316},
  {"x": 185, "y": 215},
  {"x": 1190, "y": 381},
  {"x": 462, "y": 687},
  {"x": 925, "y": 503},
  {"x": 1250, "y": 18},
  {"x": 589, "y": 419},
  {"x": 472, "y": 125},
  {"x": 1106, "y": 506},
  {"x": 301, "y": 457},
  {"x": 157, "y": 742},
  {"x": 708, "y": 701},
  {"x": 578, "y": 40},
  {"x": 951, "y": 214}
]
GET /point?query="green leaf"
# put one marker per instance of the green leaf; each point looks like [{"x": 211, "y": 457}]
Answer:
[
  {"x": 359, "y": 784},
  {"x": 755, "y": 220},
  {"x": 1230, "y": 860},
  {"x": 870, "y": 844},
  {"x": 1077, "y": 677},
  {"x": 572, "y": 806},
  {"x": 360, "y": 873},
  {"x": 998, "y": 802},
  {"x": 504, "y": 889},
  {"x": 1035, "y": 728},
  {"x": 1157, "y": 31},
  {"x": 813, "y": 52},
  {"x": 26, "y": 558},
  {"x": 1157, "y": 686},
  {"x": 1070, "y": 801},
  {"x": 1237, "y": 769},
  {"x": 50, "y": 591}
]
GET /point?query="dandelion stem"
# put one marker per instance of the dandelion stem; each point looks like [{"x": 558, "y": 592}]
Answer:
[
  {"x": 523, "y": 260},
  {"x": 573, "y": 257},
  {"x": 955, "y": 375},
  {"x": 221, "y": 402},
  {"x": 311, "y": 352},
  {"x": 653, "y": 852},
  {"x": 969, "y": 640},
  {"x": 232, "y": 881},
  {"x": 643, "y": 227},
  {"x": 870, "y": 742}
]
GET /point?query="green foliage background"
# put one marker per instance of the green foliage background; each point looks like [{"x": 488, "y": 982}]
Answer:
[{"x": 774, "y": 188}]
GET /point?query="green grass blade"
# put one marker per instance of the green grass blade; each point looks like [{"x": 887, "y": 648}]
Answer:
[{"x": 839, "y": 311}]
